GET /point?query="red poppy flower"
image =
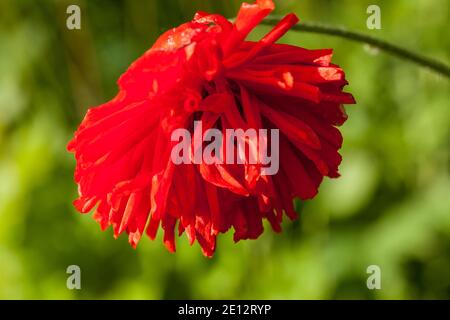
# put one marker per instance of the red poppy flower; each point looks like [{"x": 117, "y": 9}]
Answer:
[{"x": 206, "y": 70}]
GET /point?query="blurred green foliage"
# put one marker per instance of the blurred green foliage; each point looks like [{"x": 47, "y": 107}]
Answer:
[{"x": 391, "y": 207}]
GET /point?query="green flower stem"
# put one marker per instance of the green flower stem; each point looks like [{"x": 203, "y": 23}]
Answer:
[{"x": 430, "y": 63}]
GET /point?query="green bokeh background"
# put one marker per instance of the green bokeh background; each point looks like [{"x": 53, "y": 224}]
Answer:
[{"x": 390, "y": 208}]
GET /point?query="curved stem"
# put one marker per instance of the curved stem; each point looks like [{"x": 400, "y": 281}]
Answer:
[{"x": 419, "y": 59}]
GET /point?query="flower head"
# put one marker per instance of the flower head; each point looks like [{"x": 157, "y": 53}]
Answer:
[{"x": 206, "y": 71}]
